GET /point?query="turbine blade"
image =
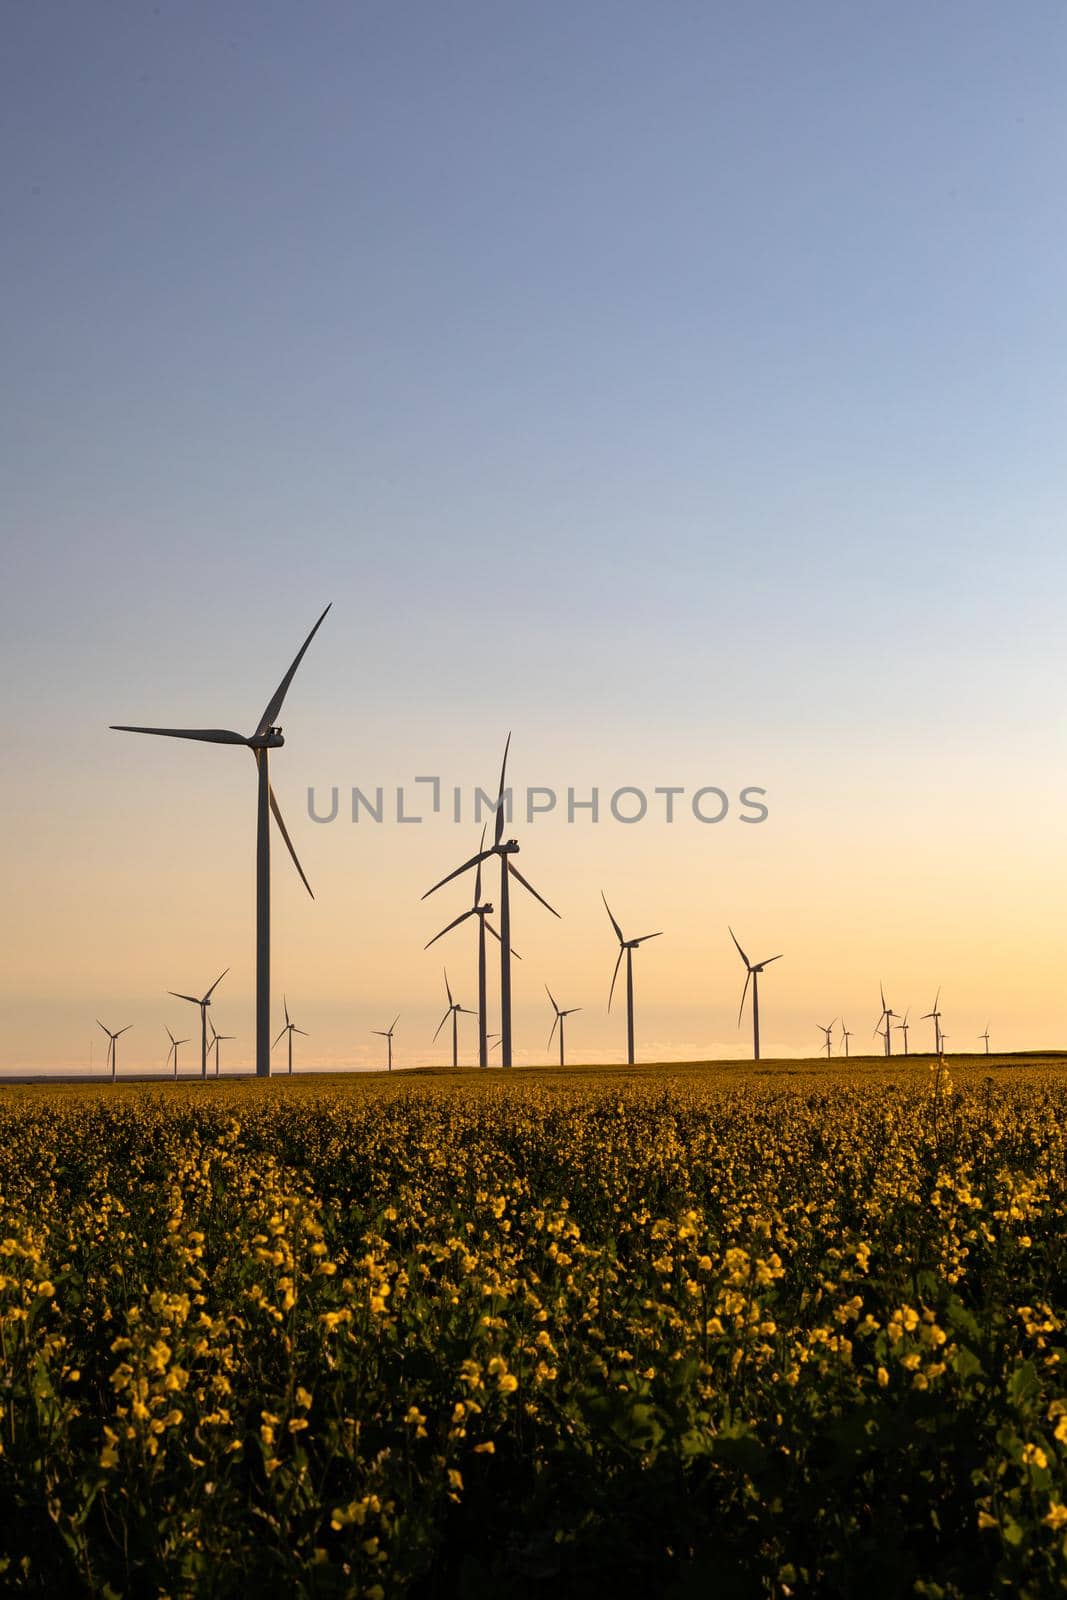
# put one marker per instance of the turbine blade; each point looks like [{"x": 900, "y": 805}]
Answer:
[
  {"x": 881, "y": 991},
  {"x": 744, "y": 991},
  {"x": 442, "y": 1022},
  {"x": 515, "y": 873},
  {"x": 178, "y": 996},
  {"x": 303, "y": 1031},
  {"x": 205, "y": 735},
  {"x": 555, "y": 1025},
  {"x": 285, "y": 1008},
  {"x": 215, "y": 985},
  {"x": 478, "y": 874},
  {"x": 396, "y": 1019},
  {"x": 500, "y": 794},
  {"x": 126, "y": 1029},
  {"x": 101, "y": 1025},
  {"x": 614, "y": 975},
  {"x": 768, "y": 961},
  {"x": 498, "y": 939},
  {"x": 451, "y": 925},
  {"x": 740, "y": 952},
  {"x": 168, "y": 1033},
  {"x": 555, "y": 1007},
  {"x": 645, "y": 936},
  {"x": 448, "y": 989},
  {"x": 289, "y": 843},
  {"x": 611, "y": 914},
  {"x": 481, "y": 856},
  {"x": 282, "y": 1035},
  {"x": 270, "y": 716}
]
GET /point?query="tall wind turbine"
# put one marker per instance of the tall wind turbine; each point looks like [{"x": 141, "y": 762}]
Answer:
[
  {"x": 560, "y": 1015},
  {"x": 752, "y": 972},
  {"x": 627, "y": 948},
  {"x": 173, "y": 1051},
  {"x": 203, "y": 1003},
  {"x": 828, "y": 1030},
  {"x": 455, "y": 1011},
  {"x": 903, "y": 1026},
  {"x": 887, "y": 1017},
  {"x": 934, "y": 1015},
  {"x": 216, "y": 1040},
  {"x": 112, "y": 1063},
  {"x": 985, "y": 1036},
  {"x": 290, "y": 1028},
  {"x": 387, "y": 1033},
  {"x": 846, "y": 1036},
  {"x": 267, "y": 736},
  {"x": 505, "y": 849},
  {"x": 482, "y": 911}
]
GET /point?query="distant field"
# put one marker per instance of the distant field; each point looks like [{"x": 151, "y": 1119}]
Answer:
[{"x": 794, "y": 1328}]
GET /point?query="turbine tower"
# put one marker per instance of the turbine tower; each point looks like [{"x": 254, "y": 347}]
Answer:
[
  {"x": 290, "y": 1028},
  {"x": 203, "y": 1004},
  {"x": 887, "y": 1017},
  {"x": 752, "y": 972},
  {"x": 827, "y": 1030},
  {"x": 985, "y": 1036},
  {"x": 387, "y": 1033},
  {"x": 482, "y": 912},
  {"x": 216, "y": 1040},
  {"x": 846, "y": 1036},
  {"x": 505, "y": 849},
  {"x": 903, "y": 1028},
  {"x": 111, "y": 1037},
  {"x": 268, "y": 736},
  {"x": 627, "y": 948},
  {"x": 173, "y": 1051},
  {"x": 934, "y": 1015},
  {"x": 560, "y": 1015},
  {"x": 455, "y": 1010}
]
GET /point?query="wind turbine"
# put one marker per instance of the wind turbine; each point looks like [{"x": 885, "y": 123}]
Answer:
[
  {"x": 887, "y": 1017},
  {"x": 559, "y": 1021},
  {"x": 173, "y": 1051},
  {"x": 505, "y": 849},
  {"x": 846, "y": 1036},
  {"x": 627, "y": 947},
  {"x": 828, "y": 1030},
  {"x": 454, "y": 1011},
  {"x": 216, "y": 1040},
  {"x": 267, "y": 736},
  {"x": 752, "y": 972},
  {"x": 387, "y": 1033},
  {"x": 111, "y": 1061},
  {"x": 482, "y": 912},
  {"x": 290, "y": 1028},
  {"x": 203, "y": 1004},
  {"x": 903, "y": 1027},
  {"x": 934, "y": 1015},
  {"x": 985, "y": 1036}
]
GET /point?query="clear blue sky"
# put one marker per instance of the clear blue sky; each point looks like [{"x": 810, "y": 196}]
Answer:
[{"x": 625, "y": 372}]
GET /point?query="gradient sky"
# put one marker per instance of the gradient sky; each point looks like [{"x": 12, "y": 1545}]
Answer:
[{"x": 681, "y": 387}]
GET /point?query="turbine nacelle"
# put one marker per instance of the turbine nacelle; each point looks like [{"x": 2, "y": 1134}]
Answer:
[{"x": 270, "y": 740}]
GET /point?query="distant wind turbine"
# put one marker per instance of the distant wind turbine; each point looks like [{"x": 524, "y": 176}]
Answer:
[
  {"x": 903, "y": 1028},
  {"x": 290, "y": 1028},
  {"x": 482, "y": 912},
  {"x": 267, "y": 736},
  {"x": 216, "y": 1040},
  {"x": 934, "y": 1015},
  {"x": 985, "y": 1036},
  {"x": 846, "y": 1036},
  {"x": 627, "y": 948},
  {"x": 173, "y": 1051},
  {"x": 455, "y": 1011},
  {"x": 560, "y": 1015},
  {"x": 111, "y": 1061},
  {"x": 827, "y": 1030},
  {"x": 387, "y": 1033},
  {"x": 752, "y": 972},
  {"x": 887, "y": 1017},
  {"x": 203, "y": 1003},
  {"x": 505, "y": 849}
]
